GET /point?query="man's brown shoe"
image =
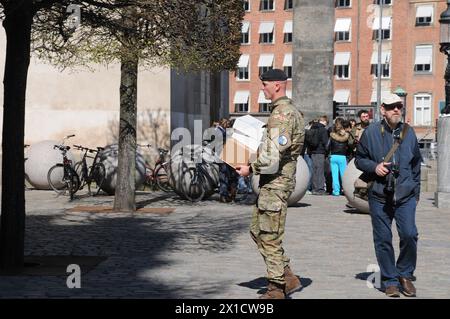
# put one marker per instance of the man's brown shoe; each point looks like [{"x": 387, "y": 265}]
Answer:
[
  {"x": 392, "y": 291},
  {"x": 274, "y": 291},
  {"x": 408, "y": 288},
  {"x": 293, "y": 284}
]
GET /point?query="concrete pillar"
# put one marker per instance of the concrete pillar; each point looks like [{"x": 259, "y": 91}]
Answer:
[
  {"x": 442, "y": 196},
  {"x": 313, "y": 54},
  {"x": 197, "y": 96}
]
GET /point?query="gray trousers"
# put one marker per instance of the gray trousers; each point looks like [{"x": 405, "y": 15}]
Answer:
[{"x": 318, "y": 177}]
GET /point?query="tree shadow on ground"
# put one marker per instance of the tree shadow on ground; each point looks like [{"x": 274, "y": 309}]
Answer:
[{"x": 136, "y": 249}]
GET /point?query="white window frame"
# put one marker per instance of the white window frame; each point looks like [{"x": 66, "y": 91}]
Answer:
[
  {"x": 341, "y": 69},
  {"x": 423, "y": 121},
  {"x": 286, "y": 5},
  {"x": 261, "y": 5},
  {"x": 431, "y": 62},
  {"x": 247, "y": 35},
  {"x": 383, "y": 2},
  {"x": 248, "y": 6},
  {"x": 339, "y": 2},
  {"x": 287, "y": 36},
  {"x": 427, "y": 20}
]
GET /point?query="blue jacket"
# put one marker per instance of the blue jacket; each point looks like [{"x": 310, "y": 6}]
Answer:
[{"x": 374, "y": 146}]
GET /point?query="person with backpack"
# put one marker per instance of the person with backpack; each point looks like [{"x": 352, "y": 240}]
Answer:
[
  {"x": 317, "y": 139},
  {"x": 388, "y": 152}
]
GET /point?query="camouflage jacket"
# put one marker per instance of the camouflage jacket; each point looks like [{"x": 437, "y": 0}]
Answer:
[{"x": 281, "y": 145}]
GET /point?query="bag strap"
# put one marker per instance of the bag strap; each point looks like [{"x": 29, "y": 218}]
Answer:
[{"x": 396, "y": 143}]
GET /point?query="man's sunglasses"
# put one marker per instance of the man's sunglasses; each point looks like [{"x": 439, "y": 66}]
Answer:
[{"x": 391, "y": 107}]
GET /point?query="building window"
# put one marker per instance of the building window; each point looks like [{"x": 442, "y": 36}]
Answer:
[
  {"x": 265, "y": 63},
  {"x": 342, "y": 72},
  {"x": 424, "y": 15},
  {"x": 341, "y": 97},
  {"x": 288, "y": 4},
  {"x": 287, "y": 38},
  {"x": 287, "y": 65},
  {"x": 385, "y": 28},
  {"x": 424, "y": 58},
  {"x": 342, "y": 65},
  {"x": 245, "y": 32},
  {"x": 266, "y": 5},
  {"x": 242, "y": 72},
  {"x": 241, "y": 101},
  {"x": 266, "y": 32},
  {"x": 264, "y": 108},
  {"x": 247, "y": 5},
  {"x": 342, "y": 29},
  {"x": 422, "y": 109},
  {"x": 383, "y": 2},
  {"x": 263, "y": 103},
  {"x": 385, "y": 70},
  {"x": 385, "y": 34},
  {"x": 266, "y": 38},
  {"x": 287, "y": 31},
  {"x": 385, "y": 64},
  {"x": 241, "y": 107},
  {"x": 288, "y": 71},
  {"x": 263, "y": 69},
  {"x": 343, "y": 3}
]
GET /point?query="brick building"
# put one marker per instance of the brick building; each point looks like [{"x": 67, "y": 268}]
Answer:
[{"x": 410, "y": 59}]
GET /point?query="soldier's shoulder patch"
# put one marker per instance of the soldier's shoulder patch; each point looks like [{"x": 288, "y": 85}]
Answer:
[{"x": 282, "y": 140}]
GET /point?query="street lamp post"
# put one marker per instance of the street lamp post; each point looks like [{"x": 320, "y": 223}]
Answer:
[
  {"x": 442, "y": 197},
  {"x": 402, "y": 94}
]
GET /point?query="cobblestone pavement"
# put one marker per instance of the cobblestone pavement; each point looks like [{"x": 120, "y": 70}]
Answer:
[{"x": 204, "y": 250}]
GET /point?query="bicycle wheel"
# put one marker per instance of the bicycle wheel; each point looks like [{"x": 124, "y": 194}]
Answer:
[
  {"x": 73, "y": 182},
  {"x": 194, "y": 190},
  {"x": 98, "y": 174},
  {"x": 55, "y": 178},
  {"x": 162, "y": 180},
  {"x": 81, "y": 175}
]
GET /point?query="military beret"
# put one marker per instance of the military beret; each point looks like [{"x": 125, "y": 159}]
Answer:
[{"x": 273, "y": 75}]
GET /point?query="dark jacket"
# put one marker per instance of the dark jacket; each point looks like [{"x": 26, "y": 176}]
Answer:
[
  {"x": 374, "y": 146},
  {"x": 339, "y": 143},
  {"x": 321, "y": 130}
]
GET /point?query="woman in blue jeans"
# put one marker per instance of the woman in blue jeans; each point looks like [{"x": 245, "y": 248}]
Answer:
[{"x": 339, "y": 145}]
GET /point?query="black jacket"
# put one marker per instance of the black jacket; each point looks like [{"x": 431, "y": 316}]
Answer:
[
  {"x": 339, "y": 144},
  {"x": 321, "y": 130},
  {"x": 374, "y": 146}
]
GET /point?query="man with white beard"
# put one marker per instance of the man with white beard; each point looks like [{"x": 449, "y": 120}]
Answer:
[{"x": 393, "y": 193}]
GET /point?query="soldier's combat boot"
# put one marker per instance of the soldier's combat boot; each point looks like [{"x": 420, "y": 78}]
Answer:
[
  {"x": 274, "y": 291},
  {"x": 293, "y": 284}
]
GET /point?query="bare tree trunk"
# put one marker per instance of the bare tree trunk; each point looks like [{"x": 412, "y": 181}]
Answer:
[
  {"x": 17, "y": 25},
  {"x": 124, "y": 199}
]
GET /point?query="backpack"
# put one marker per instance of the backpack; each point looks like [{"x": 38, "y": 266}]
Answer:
[{"x": 312, "y": 138}]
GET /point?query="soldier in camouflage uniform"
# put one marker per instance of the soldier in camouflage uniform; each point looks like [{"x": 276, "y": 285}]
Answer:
[{"x": 276, "y": 163}]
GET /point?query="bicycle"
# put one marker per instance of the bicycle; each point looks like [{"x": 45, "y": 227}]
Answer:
[
  {"x": 62, "y": 177},
  {"x": 88, "y": 174},
  {"x": 195, "y": 191},
  {"x": 157, "y": 177}
]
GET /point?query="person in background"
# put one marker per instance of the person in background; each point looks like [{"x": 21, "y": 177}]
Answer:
[{"x": 339, "y": 145}]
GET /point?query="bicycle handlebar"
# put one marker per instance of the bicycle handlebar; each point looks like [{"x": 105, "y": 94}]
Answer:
[{"x": 82, "y": 148}]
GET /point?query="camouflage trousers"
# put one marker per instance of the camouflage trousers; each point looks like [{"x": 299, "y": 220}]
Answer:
[{"x": 267, "y": 230}]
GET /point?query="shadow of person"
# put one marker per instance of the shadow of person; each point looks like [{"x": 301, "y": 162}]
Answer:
[{"x": 261, "y": 284}]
